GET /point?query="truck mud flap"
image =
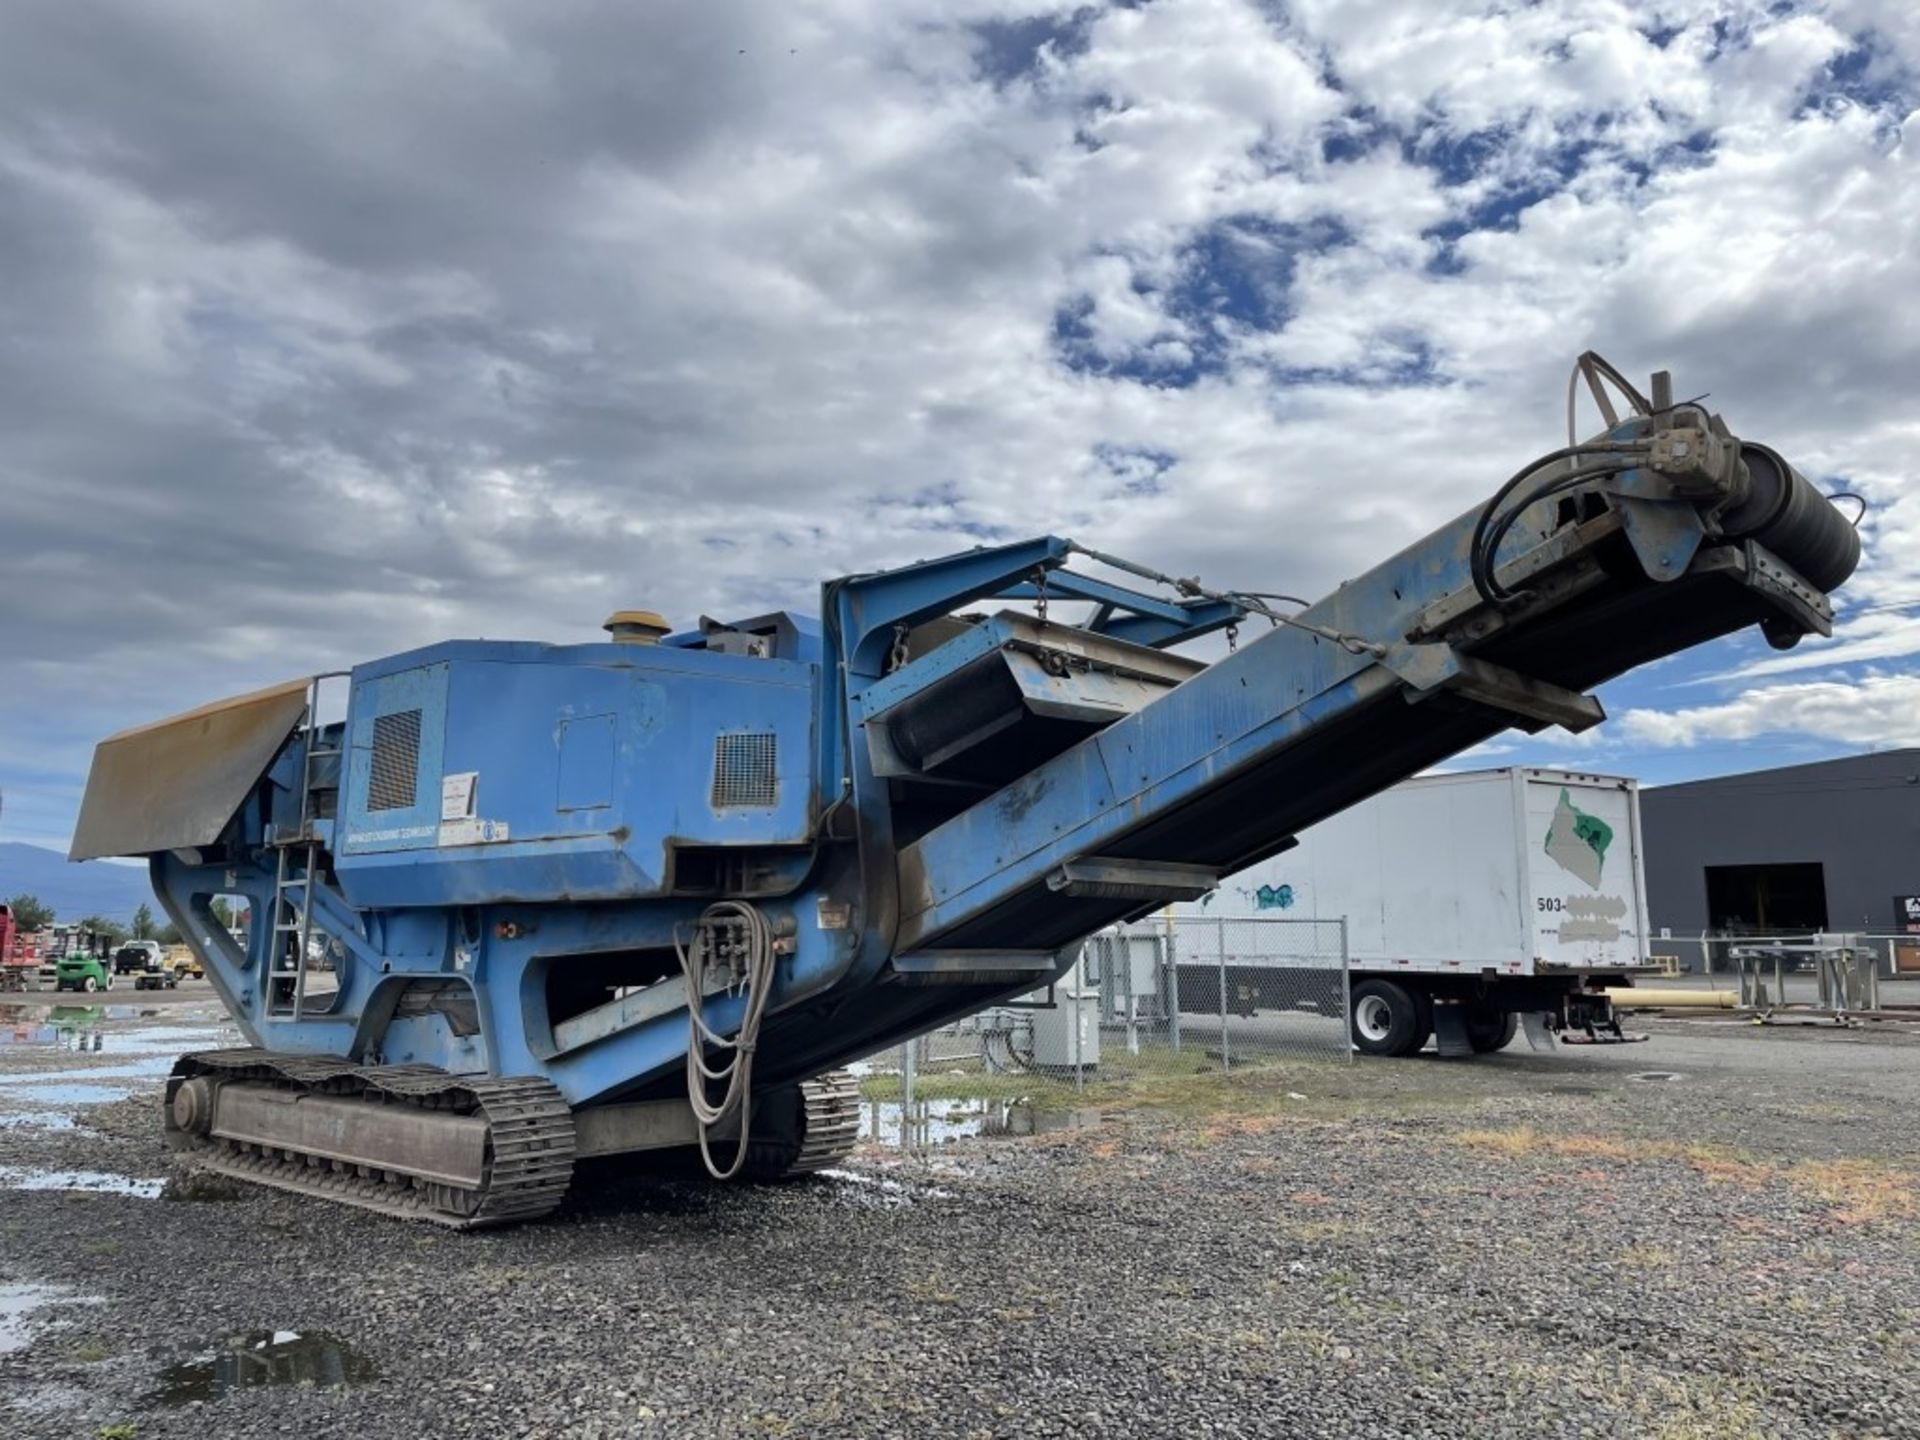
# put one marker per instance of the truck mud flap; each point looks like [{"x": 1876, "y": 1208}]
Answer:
[
  {"x": 1450, "y": 1031},
  {"x": 1539, "y": 1033}
]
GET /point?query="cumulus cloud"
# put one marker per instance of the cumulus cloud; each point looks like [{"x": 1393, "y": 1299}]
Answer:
[
  {"x": 1875, "y": 710},
  {"x": 333, "y": 331}
]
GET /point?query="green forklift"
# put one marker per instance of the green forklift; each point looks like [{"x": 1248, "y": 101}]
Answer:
[{"x": 82, "y": 959}]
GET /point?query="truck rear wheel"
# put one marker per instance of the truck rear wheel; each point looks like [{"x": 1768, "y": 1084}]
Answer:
[
  {"x": 1388, "y": 1019},
  {"x": 1490, "y": 1030}
]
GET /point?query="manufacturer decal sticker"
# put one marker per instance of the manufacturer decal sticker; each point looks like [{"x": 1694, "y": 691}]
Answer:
[{"x": 457, "y": 794}]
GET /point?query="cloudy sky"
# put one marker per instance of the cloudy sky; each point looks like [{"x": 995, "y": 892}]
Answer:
[{"x": 326, "y": 331}]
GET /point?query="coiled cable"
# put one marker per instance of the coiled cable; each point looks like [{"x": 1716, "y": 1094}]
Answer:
[{"x": 735, "y": 1071}]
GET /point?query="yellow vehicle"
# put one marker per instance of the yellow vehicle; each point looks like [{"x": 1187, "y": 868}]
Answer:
[{"x": 183, "y": 962}]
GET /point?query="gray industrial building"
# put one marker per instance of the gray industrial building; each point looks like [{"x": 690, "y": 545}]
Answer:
[{"x": 1833, "y": 846}]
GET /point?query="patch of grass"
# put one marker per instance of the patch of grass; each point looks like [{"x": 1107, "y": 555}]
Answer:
[
  {"x": 1706, "y": 1408},
  {"x": 1514, "y": 1142},
  {"x": 92, "y": 1352},
  {"x": 1520, "y": 1141},
  {"x": 1645, "y": 1257},
  {"x": 1855, "y": 1191},
  {"x": 1724, "y": 1166},
  {"x": 932, "y": 1287},
  {"x": 123, "y": 1431},
  {"x": 1192, "y": 1085},
  {"x": 1858, "y": 1192}
]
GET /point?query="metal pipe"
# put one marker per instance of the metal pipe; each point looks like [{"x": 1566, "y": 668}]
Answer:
[{"x": 1628, "y": 997}]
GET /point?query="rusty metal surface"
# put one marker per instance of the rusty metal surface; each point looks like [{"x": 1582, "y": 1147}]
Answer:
[{"x": 174, "y": 784}]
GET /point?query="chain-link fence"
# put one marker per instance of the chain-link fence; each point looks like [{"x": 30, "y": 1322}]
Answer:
[{"x": 1160, "y": 997}]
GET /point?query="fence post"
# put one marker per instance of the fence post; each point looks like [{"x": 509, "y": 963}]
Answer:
[
  {"x": 1079, "y": 974},
  {"x": 1170, "y": 955},
  {"x": 1131, "y": 1000},
  {"x": 906, "y": 1096},
  {"x": 1346, "y": 993},
  {"x": 1226, "y": 1052}
]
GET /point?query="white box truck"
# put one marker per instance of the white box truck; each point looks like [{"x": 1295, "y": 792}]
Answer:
[{"x": 1473, "y": 902}]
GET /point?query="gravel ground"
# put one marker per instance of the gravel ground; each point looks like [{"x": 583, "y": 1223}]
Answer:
[{"x": 1536, "y": 1246}]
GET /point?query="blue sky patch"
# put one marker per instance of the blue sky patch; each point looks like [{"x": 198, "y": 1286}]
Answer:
[{"x": 1009, "y": 50}]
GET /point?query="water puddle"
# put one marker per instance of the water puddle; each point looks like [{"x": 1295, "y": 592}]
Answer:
[
  {"x": 17, "y": 1306},
  {"x": 924, "y": 1123},
  {"x": 1656, "y": 1077},
  {"x": 928, "y": 1123},
  {"x": 1021, "y": 1118},
  {"x": 38, "y": 1120},
  {"x": 879, "y": 1192},
  {"x": 17, "y": 1302},
  {"x": 133, "y": 1057},
  {"x": 62, "y": 1094},
  {"x": 154, "y": 1068},
  {"x": 169, "y": 1039},
  {"x": 99, "y": 1182},
  {"x": 315, "y": 1360}
]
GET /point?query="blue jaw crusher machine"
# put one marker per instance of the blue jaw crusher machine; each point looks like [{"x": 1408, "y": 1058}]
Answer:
[{"x": 530, "y": 903}]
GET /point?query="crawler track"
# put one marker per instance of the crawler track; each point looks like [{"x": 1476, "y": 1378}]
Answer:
[
  {"x": 530, "y": 1141},
  {"x": 831, "y": 1105}
]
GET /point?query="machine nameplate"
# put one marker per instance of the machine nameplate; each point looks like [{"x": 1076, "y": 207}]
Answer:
[{"x": 473, "y": 832}]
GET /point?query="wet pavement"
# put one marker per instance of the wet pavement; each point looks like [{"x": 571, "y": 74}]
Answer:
[
  {"x": 18, "y": 1304},
  {"x": 60, "y": 1060},
  {"x": 98, "y": 1182}
]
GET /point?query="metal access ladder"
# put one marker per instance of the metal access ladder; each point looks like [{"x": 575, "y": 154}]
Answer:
[{"x": 286, "y": 984}]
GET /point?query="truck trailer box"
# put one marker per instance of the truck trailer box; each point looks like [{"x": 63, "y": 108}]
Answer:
[
  {"x": 1471, "y": 901},
  {"x": 1515, "y": 871}
]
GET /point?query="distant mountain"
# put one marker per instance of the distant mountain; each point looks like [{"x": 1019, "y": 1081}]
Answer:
[{"x": 75, "y": 891}]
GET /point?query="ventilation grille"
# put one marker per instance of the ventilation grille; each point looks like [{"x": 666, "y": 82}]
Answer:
[
  {"x": 743, "y": 772},
  {"x": 396, "y": 761}
]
